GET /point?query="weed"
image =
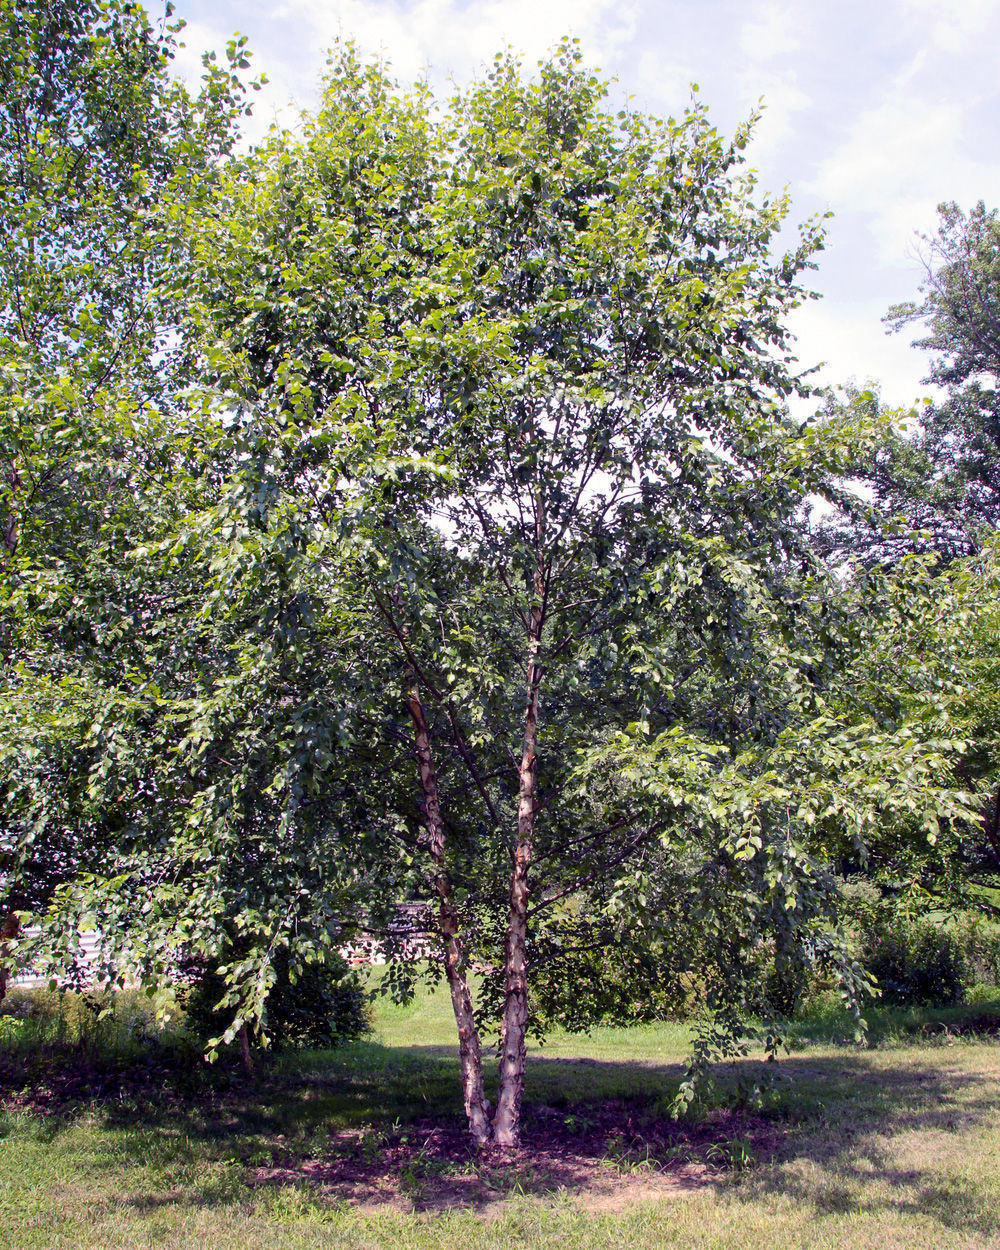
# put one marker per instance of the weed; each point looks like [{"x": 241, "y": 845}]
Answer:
[
  {"x": 371, "y": 1143},
  {"x": 636, "y": 1156},
  {"x": 579, "y": 1123},
  {"x": 11, "y": 1028},
  {"x": 736, "y": 1156}
]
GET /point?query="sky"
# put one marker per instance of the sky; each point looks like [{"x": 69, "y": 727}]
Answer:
[{"x": 874, "y": 111}]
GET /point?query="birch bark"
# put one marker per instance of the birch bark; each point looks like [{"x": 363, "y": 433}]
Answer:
[
  {"x": 507, "y": 1121},
  {"x": 469, "y": 1049}
]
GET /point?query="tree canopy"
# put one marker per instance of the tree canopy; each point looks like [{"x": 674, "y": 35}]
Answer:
[
  {"x": 934, "y": 481},
  {"x": 101, "y": 154},
  {"x": 961, "y": 300}
]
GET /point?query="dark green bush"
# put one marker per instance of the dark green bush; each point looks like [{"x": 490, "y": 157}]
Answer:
[
  {"x": 915, "y": 961},
  {"x": 315, "y": 1004},
  {"x": 919, "y": 961},
  {"x": 785, "y": 987},
  {"x": 979, "y": 940}
]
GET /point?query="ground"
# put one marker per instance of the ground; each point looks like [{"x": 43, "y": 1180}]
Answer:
[{"x": 893, "y": 1145}]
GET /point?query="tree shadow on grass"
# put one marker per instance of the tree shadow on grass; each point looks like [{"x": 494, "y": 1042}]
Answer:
[
  {"x": 376, "y": 1126},
  {"x": 886, "y": 1133}
]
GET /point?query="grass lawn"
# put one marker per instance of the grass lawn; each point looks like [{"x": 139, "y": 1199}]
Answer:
[{"x": 897, "y": 1145}]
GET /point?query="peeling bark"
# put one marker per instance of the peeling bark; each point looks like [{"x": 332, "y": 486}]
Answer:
[
  {"x": 507, "y": 1121},
  {"x": 8, "y": 931},
  {"x": 8, "y": 538},
  {"x": 993, "y": 827},
  {"x": 245, "y": 1053},
  {"x": 469, "y": 1049},
  {"x": 8, "y": 530}
]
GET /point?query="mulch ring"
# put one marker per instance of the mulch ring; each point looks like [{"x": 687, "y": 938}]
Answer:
[{"x": 604, "y": 1154}]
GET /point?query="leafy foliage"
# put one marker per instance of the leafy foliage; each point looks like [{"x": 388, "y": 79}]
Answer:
[
  {"x": 101, "y": 153},
  {"x": 314, "y": 1004},
  {"x": 913, "y": 961},
  {"x": 926, "y": 664},
  {"x": 935, "y": 483}
]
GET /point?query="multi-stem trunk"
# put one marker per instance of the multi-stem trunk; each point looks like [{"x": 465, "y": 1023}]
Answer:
[
  {"x": 507, "y": 1121},
  {"x": 469, "y": 1050}
]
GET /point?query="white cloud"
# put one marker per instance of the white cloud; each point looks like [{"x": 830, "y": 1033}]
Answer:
[
  {"x": 881, "y": 167},
  {"x": 660, "y": 82},
  {"x": 770, "y": 43},
  {"x": 451, "y": 39},
  {"x": 953, "y": 28},
  {"x": 907, "y": 152},
  {"x": 197, "y": 37},
  {"x": 851, "y": 342},
  {"x": 443, "y": 40},
  {"x": 771, "y": 31},
  {"x": 783, "y": 99}
]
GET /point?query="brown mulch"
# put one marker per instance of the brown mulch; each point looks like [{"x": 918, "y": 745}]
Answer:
[{"x": 604, "y": 1155}]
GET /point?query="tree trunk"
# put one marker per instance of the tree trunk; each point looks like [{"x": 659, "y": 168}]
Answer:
[
  {"x": 245, "y": 1052},
  {"x": 9, "y": 930},
  {"x": 469, "y": 1050},
  {"x": 507, "y": 1122},
  {"x": 8, "y": 530},
  {"x": 991, "y": 826}
]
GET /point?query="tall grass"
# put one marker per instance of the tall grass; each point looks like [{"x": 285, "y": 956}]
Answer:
[{"x": 91, "y": 1024}]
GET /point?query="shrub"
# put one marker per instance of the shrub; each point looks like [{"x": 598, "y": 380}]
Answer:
[
  {"x": 315, "y": 1004},
  {"x": 979, "y": 941},
  {"x": 914, "y": 960},
  {"x": 978, "y": 993},
  {"x": 95, "y": 1021},
  {"x": 786, "y": 986}
]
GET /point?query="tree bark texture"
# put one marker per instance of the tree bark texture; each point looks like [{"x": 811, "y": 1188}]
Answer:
[
  {"x": 245, "y": 1052},
  {"x": 469, "y": 1049},
  {"x": 507, "y": 1122},
  {"x": 8, "y": 529},
  {"x": 8, "y": 931}
]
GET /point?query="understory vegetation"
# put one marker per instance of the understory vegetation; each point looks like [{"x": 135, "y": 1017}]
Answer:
[{"x": 916, "y": 963}]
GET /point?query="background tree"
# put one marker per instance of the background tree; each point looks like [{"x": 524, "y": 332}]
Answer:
[
  {"x": 94, "y": 133},
  {"x": 174, "y": 694},
  {"x": 925, "y": 665},
  {"x": 961, "y": 310},
  {"x": 100, "y": 153},
  {"x": 935, "y": 484}
]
